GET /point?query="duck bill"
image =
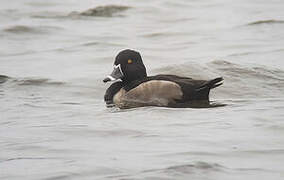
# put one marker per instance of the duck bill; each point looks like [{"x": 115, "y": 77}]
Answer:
[{"x": 116, "y": 74}]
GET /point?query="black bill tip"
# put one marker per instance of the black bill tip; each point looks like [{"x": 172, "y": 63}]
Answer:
[{"x": 106, "y": 79}]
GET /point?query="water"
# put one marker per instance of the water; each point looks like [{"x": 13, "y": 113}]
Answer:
[{"x": 53, "y": 121}]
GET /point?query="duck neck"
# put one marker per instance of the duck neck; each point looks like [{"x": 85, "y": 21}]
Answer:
[
  {"x": 128, "y": 85},
  {"x": 132, "y": 80}
]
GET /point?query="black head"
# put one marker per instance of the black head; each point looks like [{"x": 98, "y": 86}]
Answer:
[{"x": 128, "y": 66}]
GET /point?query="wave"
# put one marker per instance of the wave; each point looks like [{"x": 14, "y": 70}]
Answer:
[
  {"x": 97, "y": 43},
  {"x": 192, "y": 167},
  {"x": 37, "y": 82},
  {"x": 101, "y": 11},
  {"x": 29, "y": 81},
  {"x": 240, "y": 81},
  {"x": 185, "y": 169},
  {"x": 25, "y": 158},
  {"x": 22, "y": 29},
  {"x": 252, "y": 81},
  {"x": 269, "y": 21},
  {"x": 254, "y": 72},
  {"x": 3, "y": 78}
]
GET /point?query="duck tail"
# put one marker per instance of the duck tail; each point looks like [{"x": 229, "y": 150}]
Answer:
[
  {"x": 212, "y": 84},
  {"x": 215, "y": 82}
]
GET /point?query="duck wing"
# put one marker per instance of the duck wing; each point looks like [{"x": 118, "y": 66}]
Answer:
[
  {"x": 192, "y": 89},
  {"x": 198, "y": 90},
  {"x": 149, "y": 93}
]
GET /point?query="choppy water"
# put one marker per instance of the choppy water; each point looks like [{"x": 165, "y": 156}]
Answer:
[{"x": 54, "y": 124}]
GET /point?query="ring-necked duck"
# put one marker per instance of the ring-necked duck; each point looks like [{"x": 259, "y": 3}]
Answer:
[{"x": 133, "y": 88}]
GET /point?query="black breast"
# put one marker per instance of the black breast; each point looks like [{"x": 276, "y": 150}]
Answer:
[{"x": 111, "y": 91}]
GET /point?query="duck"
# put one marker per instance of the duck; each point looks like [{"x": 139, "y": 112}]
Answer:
[{"x": 131, "y": 87}]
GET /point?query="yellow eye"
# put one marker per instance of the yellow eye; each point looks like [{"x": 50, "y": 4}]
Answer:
[{"x": 129, "y": 61}]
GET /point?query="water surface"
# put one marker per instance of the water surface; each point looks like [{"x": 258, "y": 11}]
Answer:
[{"x": 53, "y": 121}]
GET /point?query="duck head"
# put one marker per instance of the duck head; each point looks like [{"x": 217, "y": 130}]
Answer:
[{"x": 128, "y": 66}]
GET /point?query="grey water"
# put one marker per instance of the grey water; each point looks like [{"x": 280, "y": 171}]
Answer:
[{"x": 54, "y": 124}]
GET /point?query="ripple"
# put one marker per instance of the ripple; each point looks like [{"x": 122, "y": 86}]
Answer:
[
  {"x": 103, "y": 133},
  {"x": 3, "y": 78},
  {"x": 269, "y": 21},
  {"x": 101, "y": 11},
  {"x": 25, "y": 158},
  {"x": 71, "y": 103},
  {"x": 265, "y": 151},
  {"x": 191, "y": 167},
  {"x": 253, "y": 81},
  {"x": 256, "y": 72},
  {"x": 37, "y": 82},
  {"x": 29, "y": 81},
  {"x": 186, "y": 169},
  {"x": 23, "y": 29}
]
